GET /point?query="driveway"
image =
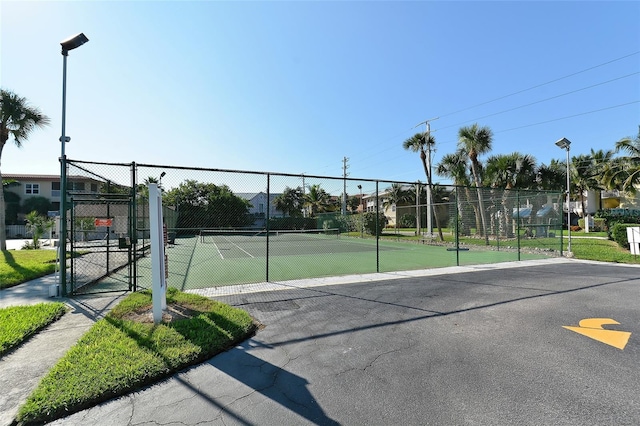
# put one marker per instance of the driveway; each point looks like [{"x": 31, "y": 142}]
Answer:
[{"x": 484, "y": 346}]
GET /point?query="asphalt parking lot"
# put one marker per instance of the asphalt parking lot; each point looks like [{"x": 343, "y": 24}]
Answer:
[{"x": 478, "y": 346}]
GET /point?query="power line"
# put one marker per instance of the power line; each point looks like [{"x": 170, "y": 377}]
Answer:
[
  {"x": 568, "y": 116},
  {"x": 542, "y": 84},
  {"x": 522, "y": 106},
  {"x": 541, "y": 100},
  {"x": 407, "y": 131}
]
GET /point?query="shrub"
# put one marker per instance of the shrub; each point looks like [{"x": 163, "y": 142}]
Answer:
[
  {"x": 370, "y": 226},
  {"x": 407, "y": 221},
  {"x": 619, "y": 233},
  {"x": 618, "y": 216},
  {"x": 598, "y": 224}
]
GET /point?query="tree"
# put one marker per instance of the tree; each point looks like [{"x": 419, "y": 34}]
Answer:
[
  {"x": 317, "y": 200},
  {"x": 143, "y": 188},
  {"x": 626, "y": 173},
  {"x": 476, "y": 141},
  {"x": 290, "y": 202},
  {"x": 206, "y": 205},
  {"x": 587, "y": 172},
  {"x": 395, "y": 195},
  {"x": 11, "y": 201},
  {"x": 507, "y": 172},
  {"x": 353, "y": 203},
  {"x": 37, "y": 225},
  {"x": 454, "y": 166},
  {"x": 421, "y": 143},
  {"x": 42, "y": 205},
  {"x": 17, "y": 120}
]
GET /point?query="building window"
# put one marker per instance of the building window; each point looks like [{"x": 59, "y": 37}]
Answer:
[
  {"x": 261, "y": 208},
  {"x": 55, "y": 189},
  {"x": 32, "y": 188},
  {"x": 76, "y": 186},
  {"x": 94, "y": 187}
]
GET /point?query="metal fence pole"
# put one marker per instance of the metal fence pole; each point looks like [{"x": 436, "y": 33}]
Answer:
[
  {"x": 267, "y": 225},
  {"x": 378, "y": 232},
  {"x": 133, "y": 231},
  {"x": 457, "y": 238},
  {"x": 518, "y": 221}
]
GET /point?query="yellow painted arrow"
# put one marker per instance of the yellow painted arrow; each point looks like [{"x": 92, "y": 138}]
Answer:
[{"x": 592, "y": 327}]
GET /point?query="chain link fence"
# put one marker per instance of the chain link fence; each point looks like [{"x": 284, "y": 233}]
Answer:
[{"x": 227, "y": 227}]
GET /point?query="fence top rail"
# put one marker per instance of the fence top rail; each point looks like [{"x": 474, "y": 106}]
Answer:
[
  {"x": 311, "y": 176},
  {"x": 253, "y": 172}
]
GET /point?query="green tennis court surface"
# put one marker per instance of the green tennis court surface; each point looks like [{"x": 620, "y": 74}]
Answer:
[{"x": 203, "y": 261}]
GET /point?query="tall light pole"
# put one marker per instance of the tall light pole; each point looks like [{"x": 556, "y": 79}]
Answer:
[
  {"x": 67, "y": 45},
  {"x": 565, "y": 143}
]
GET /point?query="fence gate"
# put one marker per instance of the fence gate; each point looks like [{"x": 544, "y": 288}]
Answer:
[{"x": 103, "y": 250}]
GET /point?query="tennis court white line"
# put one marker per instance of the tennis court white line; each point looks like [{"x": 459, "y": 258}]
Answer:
[
  {"x": 353, "y": 279},
  {"x": 219, "y": 252},
  {"x": 242, "y": 250}
]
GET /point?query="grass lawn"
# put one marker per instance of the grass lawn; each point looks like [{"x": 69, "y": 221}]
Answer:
[
  {"x": 18, "y": 323},
  {"x": 18, "y": 266},
  {"x": 125, "y": 351}
]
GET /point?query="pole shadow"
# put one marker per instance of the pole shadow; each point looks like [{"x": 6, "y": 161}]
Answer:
[{"x": 279, "y": 385}]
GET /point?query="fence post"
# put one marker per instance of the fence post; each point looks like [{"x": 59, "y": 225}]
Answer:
[
  {"x": 267, "y": 224},
  {"x": 457, "y": 238},
  {"x": 518, "y": 220},
  {"x": 377, "y": 230},
  {"x": 133, "y": 231}
]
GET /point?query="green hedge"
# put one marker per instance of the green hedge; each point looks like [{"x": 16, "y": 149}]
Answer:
[
  {"x": 599, "y": 224},
  {"x": 619, "y": 233}
]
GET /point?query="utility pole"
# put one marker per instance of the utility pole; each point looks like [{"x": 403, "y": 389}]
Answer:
[
  {"x": 345, "y": 166},
  {"x": 427, "y": 135}
]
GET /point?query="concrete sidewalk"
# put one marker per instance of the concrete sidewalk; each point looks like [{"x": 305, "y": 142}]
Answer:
[{"x": 22, "y": 369}]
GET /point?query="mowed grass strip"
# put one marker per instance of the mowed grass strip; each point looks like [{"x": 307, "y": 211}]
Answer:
[
  {"x": 120, "y": 354},
  {"x": 18, "y": 266},
  {"x": 18, "y": 323}
]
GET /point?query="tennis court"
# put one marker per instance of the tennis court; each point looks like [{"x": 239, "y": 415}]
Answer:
[{"x": 221, "y": 258}]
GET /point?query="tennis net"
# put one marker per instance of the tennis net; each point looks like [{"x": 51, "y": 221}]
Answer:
[{"x": 232, "y": 235}]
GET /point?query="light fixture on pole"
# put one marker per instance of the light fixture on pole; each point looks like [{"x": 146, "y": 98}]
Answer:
[
  {"x": 565, "y": 143},
  {"x": 67, "y": 45}
]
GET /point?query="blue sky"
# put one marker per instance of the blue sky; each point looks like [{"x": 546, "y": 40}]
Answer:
[{"x": 295, "y": 87}]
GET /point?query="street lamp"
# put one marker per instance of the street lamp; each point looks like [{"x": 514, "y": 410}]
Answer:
[
  {"x": 67, "y": 45},
  {"x": 565, "y": 143}
]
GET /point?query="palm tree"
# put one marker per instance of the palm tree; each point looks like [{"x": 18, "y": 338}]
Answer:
[
  {"x": 627, "y": 172},
  {"x": 476, "y": 141},
  {"x": 585, "y": 175},
  {"x": 17, "y": 119},
  {"x": 290, "y": 201},
  {"x": 454, "y": 167},
  {"x": 143, "y": 188},
  {"x": 509, "y": 172},
  {"x": 421, "y": 143},
  {"x": 395, "y": 195},
  {"x": 317, "y": 199}
]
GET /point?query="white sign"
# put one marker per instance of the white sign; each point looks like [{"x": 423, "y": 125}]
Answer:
[
  {"x": 158, "y": 277},
  {"x": 633, "y": 236}
]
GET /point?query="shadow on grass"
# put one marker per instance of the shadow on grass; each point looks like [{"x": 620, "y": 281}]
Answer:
[{"x": 26, "y": 273}]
